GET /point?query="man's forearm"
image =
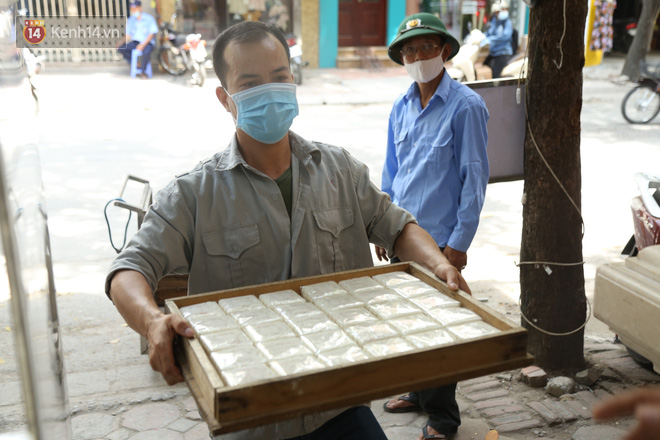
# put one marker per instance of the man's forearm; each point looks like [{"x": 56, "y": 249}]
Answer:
[
  {"x": 415, "y": 244},
  {"x": 134, "y": 300}
]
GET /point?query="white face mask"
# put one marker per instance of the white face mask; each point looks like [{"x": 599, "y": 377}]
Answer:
[{"x": 423, "y": 71}]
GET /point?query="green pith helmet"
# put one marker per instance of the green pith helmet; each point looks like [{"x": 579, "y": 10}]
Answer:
[{"x": 416, "y": 25}]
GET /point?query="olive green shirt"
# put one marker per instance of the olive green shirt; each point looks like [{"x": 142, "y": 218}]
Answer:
[{"x": 226, "y": 224}]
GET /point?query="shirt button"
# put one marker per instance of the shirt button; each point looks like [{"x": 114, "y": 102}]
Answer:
[
  {"x": 309, "y": 418},
  {"x": 274, "y": 197}
]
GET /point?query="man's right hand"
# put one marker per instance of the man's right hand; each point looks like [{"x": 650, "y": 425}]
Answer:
[
  {"x": 160, "y": 336},
  {"x": 134, "y": 300},
  {"x": 381, "y": 253}
]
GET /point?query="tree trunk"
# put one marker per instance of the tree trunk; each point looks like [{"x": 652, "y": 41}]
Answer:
[
  {"x": 643, "y": 35},
  {"x": 552, "y": 295}
]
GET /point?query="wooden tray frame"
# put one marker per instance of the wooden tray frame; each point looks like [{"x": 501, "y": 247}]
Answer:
[{"x": 227, "y": 409}]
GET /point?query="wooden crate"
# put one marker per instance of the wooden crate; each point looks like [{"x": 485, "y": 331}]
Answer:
[{"x": 227, "y": 409}]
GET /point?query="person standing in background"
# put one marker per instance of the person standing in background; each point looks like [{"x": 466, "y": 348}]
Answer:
[
  {"x": 436, "y": 167},
  {"x": 499, "y": 34}
]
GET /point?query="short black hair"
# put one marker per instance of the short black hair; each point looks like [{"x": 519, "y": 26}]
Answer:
[{"x": 243, "y": 32}]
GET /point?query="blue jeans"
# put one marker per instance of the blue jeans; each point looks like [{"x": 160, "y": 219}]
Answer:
[
  {"x": 357, "y": 423},
  {"x": 127, "y": 49}
]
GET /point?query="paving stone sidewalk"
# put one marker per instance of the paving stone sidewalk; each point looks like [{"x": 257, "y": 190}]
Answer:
[{"x": 499, "y": 401}]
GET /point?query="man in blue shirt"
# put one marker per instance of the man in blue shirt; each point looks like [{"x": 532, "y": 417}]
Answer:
[
  {"x": 141, "y": 30},
  {"x": 436, "y": 167},
  {"x": 499, "y": 34}
]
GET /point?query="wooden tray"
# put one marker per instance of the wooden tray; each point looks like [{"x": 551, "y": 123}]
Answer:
[{"x": 227, "y": 409}]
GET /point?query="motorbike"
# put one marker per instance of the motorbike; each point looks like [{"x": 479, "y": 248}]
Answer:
[
  {"x": 462, "y": 65},
  {"x": 624, "y": 30},
  {"x": 642, "y": 104},
  {"x": 646, "y": 214},
  {"x": 179, "y": 54},
  {"x": 296, "y": 58}
]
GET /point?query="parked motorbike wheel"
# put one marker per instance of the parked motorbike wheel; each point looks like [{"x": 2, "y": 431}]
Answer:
[
  {"x": 641, "y": 105},
  {"x": 171, "y": 61},
  {"x": 296, "y": 70}
]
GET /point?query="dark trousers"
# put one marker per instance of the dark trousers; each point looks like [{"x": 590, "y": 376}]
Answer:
[
  {"x": 497, "y": 63},
  {"x": 357, "y": 423},
  {"x": 127, "y": 49},
  {"x": 439, "y": 403}
]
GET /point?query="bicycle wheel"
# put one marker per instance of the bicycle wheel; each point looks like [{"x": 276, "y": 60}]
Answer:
[
  {"x": 640, "y": 105},
  {"x": 171, "y": 62}
]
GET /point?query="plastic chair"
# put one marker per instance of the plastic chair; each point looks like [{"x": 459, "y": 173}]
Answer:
[{"x": 134, "y": 64}]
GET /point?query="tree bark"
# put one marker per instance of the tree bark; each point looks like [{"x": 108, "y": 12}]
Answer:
[
  {"x": 642, "y": 40},
  {"x": 552, "y": 295}
]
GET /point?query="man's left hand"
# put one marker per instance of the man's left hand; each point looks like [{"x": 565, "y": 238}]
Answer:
[
  {"x": 452, "y": 276},
  {"x": 456, "y": 258}
]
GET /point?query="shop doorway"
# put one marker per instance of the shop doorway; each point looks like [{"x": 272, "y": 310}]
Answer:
[{"x": 362, "y": 22}]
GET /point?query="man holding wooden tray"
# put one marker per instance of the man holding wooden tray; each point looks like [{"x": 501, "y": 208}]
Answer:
[{"x": 270, "y": 207}]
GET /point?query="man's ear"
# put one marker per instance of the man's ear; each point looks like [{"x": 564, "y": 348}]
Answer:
[
  {"x": 446, "y": 51},
  {"x": 223, "y": 97}
]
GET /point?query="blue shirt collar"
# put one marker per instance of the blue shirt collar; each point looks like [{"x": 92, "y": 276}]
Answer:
[{"x": 442, "y": 91}]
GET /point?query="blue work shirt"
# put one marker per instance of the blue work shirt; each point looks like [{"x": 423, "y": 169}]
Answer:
[
  {"x": 436, "y": 165},
  {"x": 140, "y": 29},
  {"x": 499, "y": 36}
]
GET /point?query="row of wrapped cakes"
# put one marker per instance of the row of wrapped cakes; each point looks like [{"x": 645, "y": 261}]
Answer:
[{"x": 283, "y": 333}]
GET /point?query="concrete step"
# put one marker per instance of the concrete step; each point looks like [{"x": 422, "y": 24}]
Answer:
[{"x": 363, "y": 57}]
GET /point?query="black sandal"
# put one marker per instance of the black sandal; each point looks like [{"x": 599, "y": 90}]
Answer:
[
  {"x": 403, "y": 409},
  {"x": 427, "y": 436}
]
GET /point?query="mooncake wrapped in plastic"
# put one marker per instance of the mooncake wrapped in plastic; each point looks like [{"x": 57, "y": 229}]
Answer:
[
  {"x": 320, "y": 290},
  {"x": 434, "y": 300},
  {"x": 453, "y": 315},
  {"x": 471, "y": 330},
  {"x": 413, "y": 289},
  {"x": 214, "y": 323},
  {"x": 312, "y": 324},
  {"x": 359, "y": 284},
  {"x": 275, "y": 299},
  {"x": 351, "y": 316},
  {"x": 365, "y": 333},
  {"x": 295, "y": 365},
  {"x": 430, "y": 338},
  {"x": 343, "y": 355},
  {"x": 296, "y": 310},
  {"x": 323, "y": 341},
  {"x": 337, "y": 302},
  {"x": 387, "y": 310},
  {"x": 283, "y": 348},
  {"x": 269, "y": 331},
  {"x": 239, "y": 303},
  {"x": 391, "y": 279},
  {"x": 386, "y": 347},
  {"x": 257, "y": 316},
  {"x": 376, "y": 294},
  {"x": 226, "y": 339},
  {"x": 413, "y": 323},
  {"x": 248, "y": 375},
  {"x": 238, "y": 356},
  {"x": 201, "y": 309},
  {"x": 198, "y": 319}
]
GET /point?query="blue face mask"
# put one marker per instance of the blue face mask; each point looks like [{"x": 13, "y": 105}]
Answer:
[
  {"x": 266, "y": 112},
  {"x": 503, "y": 15}
]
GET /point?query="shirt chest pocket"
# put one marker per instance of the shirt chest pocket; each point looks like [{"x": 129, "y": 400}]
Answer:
[
  {"x": 441, "y": 151},
  {"x": 234, "y": 256},
  {"x": 334, "y": 246}
]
